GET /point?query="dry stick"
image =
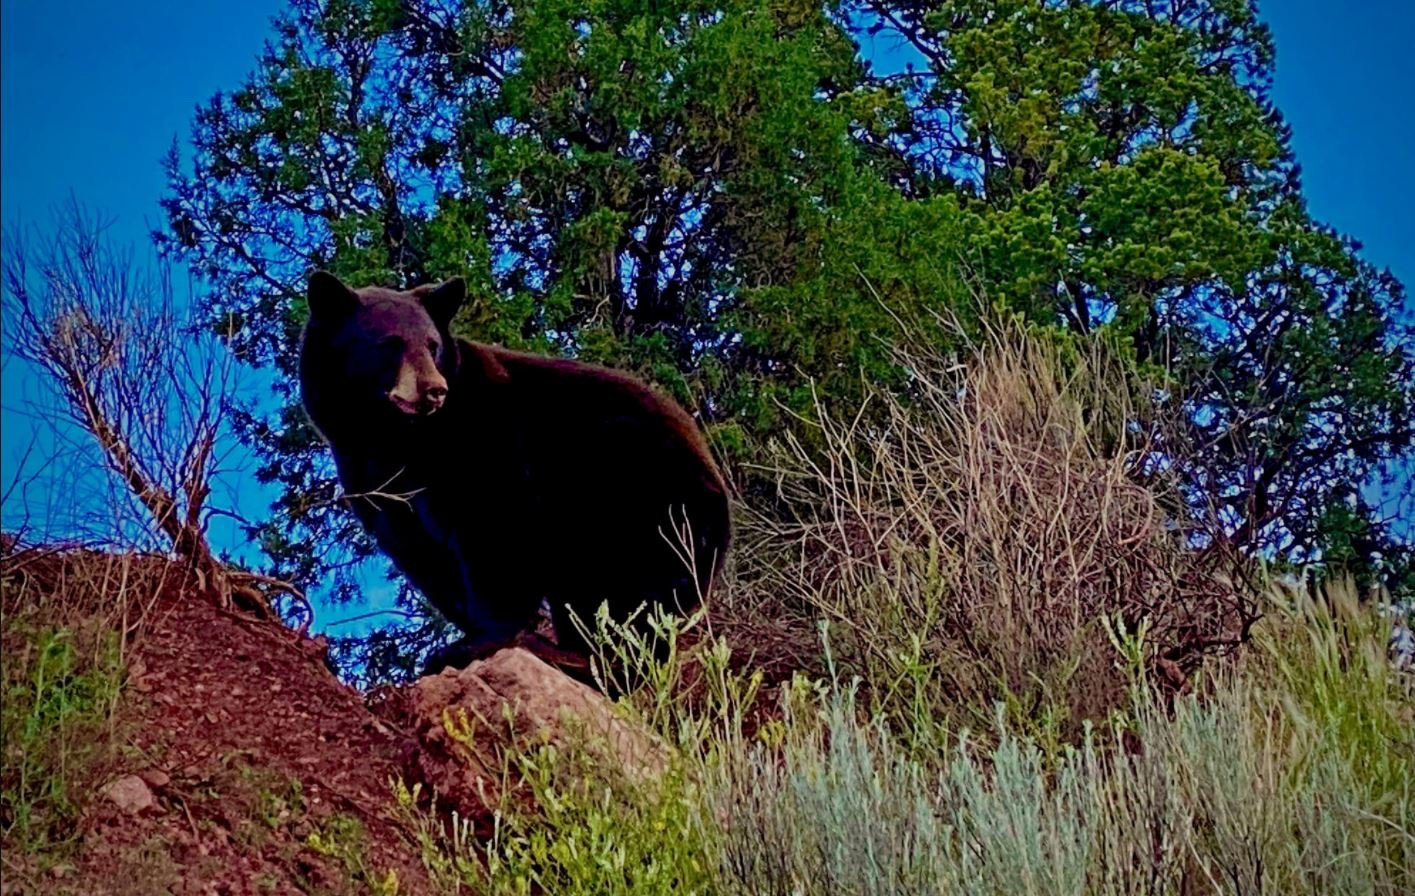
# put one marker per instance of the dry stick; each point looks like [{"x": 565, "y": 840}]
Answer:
[
  {"x": 53, "y": 340},
  {"x": 186, "y": 537}
]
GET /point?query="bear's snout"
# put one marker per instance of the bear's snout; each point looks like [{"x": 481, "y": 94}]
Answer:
[
  {"x": 417, "y": 396},
  {"x": 433, "y": 397}
]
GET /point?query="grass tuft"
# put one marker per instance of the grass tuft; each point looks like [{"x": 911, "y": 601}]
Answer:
[{"x": 64, "y": 668}]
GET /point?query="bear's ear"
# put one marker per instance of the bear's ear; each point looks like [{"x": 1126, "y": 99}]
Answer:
[
  {"x": 329, "y": 298},
  {"x": 443, "y": 300}
]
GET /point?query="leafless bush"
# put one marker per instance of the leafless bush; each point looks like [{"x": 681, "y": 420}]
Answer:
[
  {"x": 124, "y": 367},
  {"x": 987, "y": 538}
]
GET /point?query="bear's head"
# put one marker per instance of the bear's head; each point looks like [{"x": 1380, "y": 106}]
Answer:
[{"x": 375, "y": 350}]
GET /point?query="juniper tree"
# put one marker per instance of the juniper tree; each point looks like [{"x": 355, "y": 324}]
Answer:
[
  {"x": 1121, "y": 166},
  {"x": 747, "y": 202}
]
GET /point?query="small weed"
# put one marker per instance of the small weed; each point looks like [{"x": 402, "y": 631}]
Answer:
[
  {"x": 278, "y": 808},
  {"x": 60, "y": 687},
  {"x": 341, "y": 837},
  {"x": 592, "y": 832}
]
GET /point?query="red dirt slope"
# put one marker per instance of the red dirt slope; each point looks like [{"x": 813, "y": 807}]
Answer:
[{"x": 267, "y": 774}]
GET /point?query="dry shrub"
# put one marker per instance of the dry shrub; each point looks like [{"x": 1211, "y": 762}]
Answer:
[
  {"x": 987, "y": 538},
  {"x": 71, "y": 585},
  {"x": 121, "y": 368}
]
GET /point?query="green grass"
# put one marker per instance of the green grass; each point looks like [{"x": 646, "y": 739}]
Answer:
[
  {"x": 1327, "y": 657},
  {"x": 1290, "y": 772},
  {"x": 60, "y": 687}
]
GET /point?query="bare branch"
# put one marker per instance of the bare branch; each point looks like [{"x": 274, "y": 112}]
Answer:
[{"x": 126, "y": 367}]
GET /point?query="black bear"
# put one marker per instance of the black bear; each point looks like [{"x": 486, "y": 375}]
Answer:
[{"x": 496, "y": 479}]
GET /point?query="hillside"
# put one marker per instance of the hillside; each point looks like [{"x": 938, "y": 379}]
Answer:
[
  {"x": 971, "y": 659},
  {"x": 237, "y": 745},
  {"x": 232, "y": 760},
  {"x": 227, "y": 759}
]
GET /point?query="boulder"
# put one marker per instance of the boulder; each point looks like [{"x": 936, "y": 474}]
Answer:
[{"x": 463, "y": 720}]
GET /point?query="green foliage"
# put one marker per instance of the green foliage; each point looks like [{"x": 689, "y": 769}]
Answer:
[
  {"x": 60, "y": 687},
  {"x": 591, "y": 835},
  {"x": 730, "y": 199},
  {"x": 1121, "y": 167}
]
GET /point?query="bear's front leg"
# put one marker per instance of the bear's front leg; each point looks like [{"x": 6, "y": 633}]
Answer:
[{"x": 498, "y": 603}]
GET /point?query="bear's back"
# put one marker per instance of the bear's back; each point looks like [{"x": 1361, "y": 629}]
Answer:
[{"x": 613, "y": 419}]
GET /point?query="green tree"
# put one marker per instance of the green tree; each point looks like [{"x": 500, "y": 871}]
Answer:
[
  {"x": 676, "y": 188},
  {"x": 739, "y": 200},
  {"x": 1121, "y": 166}
]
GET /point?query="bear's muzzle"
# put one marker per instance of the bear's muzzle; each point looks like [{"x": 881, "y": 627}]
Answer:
[{"x": 418, "y": 396}]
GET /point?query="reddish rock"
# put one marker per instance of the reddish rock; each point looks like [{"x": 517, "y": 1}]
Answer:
[
  {"x": 156, "y": 778},
  {"x": 131, "y": 795},
  {"x": 463, "y": 719}
]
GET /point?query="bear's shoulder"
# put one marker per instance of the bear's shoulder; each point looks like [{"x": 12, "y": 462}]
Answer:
[{"x": 528, "y": 371}]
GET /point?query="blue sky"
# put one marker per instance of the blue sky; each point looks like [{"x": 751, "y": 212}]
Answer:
[
  {"x": 92, "y": 94},
  {"x": 1346, "y": 82}
]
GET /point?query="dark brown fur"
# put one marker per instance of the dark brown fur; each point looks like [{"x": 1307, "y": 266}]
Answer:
[{"x": 521, "y": 477}]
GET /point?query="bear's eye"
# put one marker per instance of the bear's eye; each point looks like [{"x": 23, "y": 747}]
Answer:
[{"x": 432, "y": 346}]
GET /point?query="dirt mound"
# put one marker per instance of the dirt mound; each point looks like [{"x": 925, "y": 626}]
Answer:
[
  {"x": 263, "y": 773},
  {"x": 241, "y": 764}
]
